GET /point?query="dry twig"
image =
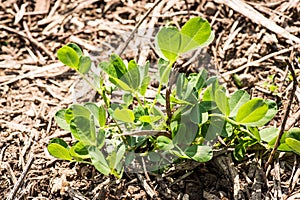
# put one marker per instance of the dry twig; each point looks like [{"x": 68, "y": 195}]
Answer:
[{"x": 286, "y": 114}]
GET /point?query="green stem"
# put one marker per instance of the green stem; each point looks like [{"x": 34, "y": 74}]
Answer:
[
  {"x": 100, "y": 93},
  {"x": 169, "y": 67},
  {"x": 90, "y": 84},
  {"x": 138, "y": 98}
]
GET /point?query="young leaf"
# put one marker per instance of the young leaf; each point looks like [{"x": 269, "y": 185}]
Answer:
[
  {"x": 134, "y": 74},
  {"x": 76, "y": 48},
  {"x": 83, "y": 129},
  {"x": 238, "y": 98},
  {"x": 99, "y": 160},
  {"x": 59, "y": 141},
  {"x": 100, "y": 138},
  {"x": 144, "y": 85},
  {"x": 164, "y": 70},
  {"x": 108, "y": 68},
  {"x": 79, "y": 150},
  {"x": 59, "y": 151},
  {"x": 293, "y": 144},
  {"x": 60, "y": 120},
  {"x": 199, "y": 153},
  {"x": 168, "y": 43},
  {"x": 119, "y": 65},
  {"x": 294, "y": 133},
  {"x": 102, "y": 116},
  {"x": 268, "y": 134},
  {"x": 119, "y": 155},
  {"x": 252, "y": 111},
  {"x": 272, "y": 110},
  {"x": 68, "y": 56},
  {"x": 94, "y": 110},
  {"x": 195, "y": 33},
  {"x": 164, "y": 143},
  {"x": 222, "y": 102},
  {"x": 76, "y": 110},
  {"x": 124, "y": 115},
  {"x": 85, "y": 63}
]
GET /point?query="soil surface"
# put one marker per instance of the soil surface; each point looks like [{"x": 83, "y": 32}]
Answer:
[{"x": 34, "y": 85}]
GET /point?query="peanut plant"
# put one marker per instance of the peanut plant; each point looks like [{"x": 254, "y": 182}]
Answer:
[{"x": 182, "y": 121}]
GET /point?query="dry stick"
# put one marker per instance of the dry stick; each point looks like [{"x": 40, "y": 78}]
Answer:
[
  {"x": 256, "y": 62},
  {"x": 286, "y": 114},
  {"x": 136, "y": 27},
  {"x": 20, "y": 180},
  {"x": 31, "y": 39},
  {"x": 248, "y": 11}
]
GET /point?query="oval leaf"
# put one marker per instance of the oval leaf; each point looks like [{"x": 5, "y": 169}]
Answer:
[
  {"x": 293, "y": 144},
  {"x": 58, "y": 151},
  {"x": 252, "y": 111},
  {"x": 68, "y": 56},
  {"x": 76, "y": 48},
  {"x": 168, "y": 43},
  {"x": 61, "y": 121},
  {"x": 199, "y": 153},
  {"x": 124, "y": 115},
  {"x": 195, "y": 33},
  {"x": 237, "y": 100},
  {"x": 85, "y": 63},
  {"x": 222, "y": 102},
  {"x": 99, "y": 160}
]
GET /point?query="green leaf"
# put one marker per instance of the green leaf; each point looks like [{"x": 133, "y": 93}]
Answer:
[
  {"x": 272, "y": 110},
  {"x": 199, "y": 153},
  {"x": 94, "y": 110},
  {"x": 68, "y": 56},
  {"x": 119, "y": 65},
  {"x": 121, "y": 84},
  {"x": 144, "y": 85},
  {"x": 109, "y": 69},
  {"x": 195, "y": 33},
  {"x": 268, "y": 134},
  {"x": 168, "y": 43},
  {"x": 59, "y": 141},
  {"x": 85, "y": 63},
  {"x": 100, "y": 139},
  {"x": 134, "y": 74},
  {"x": 222, "y": 102},
  {"x": 119, "y": 155},
  {"x": 124, "y": 115},
  {"x": 164, "y": 70},
  {"x": 59, "y": 151},
  {"x": 293, "y": 144},
  {"x": 76, "y": 48},
  {"x": 102, "y": 116},
  {"x": 294, "y": 133},
  {"x": 238, "y": 98},
  {"x": 127, "y": 98},
  {"x": 60, "y": 120},
  {"x": 251, "y": 112},
  {"x": 98, "y": 160},
  {"x": 79, "y": 150},
  {"x": 83, "y": 130},
  {"x": 180, "y": 85},
  {"x": 76, "y": 110},
  {"x": 164, "y": 143}
]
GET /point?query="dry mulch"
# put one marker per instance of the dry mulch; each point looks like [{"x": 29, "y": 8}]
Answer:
[{"x": 34, "y": 85}]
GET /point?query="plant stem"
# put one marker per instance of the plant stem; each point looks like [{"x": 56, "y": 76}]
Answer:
[
  {"x": 169, "y": 67},
  {"x": 90, "y": 84},
  {"x": 138, "y": 98}
]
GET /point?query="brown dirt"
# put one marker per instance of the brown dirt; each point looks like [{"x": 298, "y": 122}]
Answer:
[{"x": 34, "y": 85}]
